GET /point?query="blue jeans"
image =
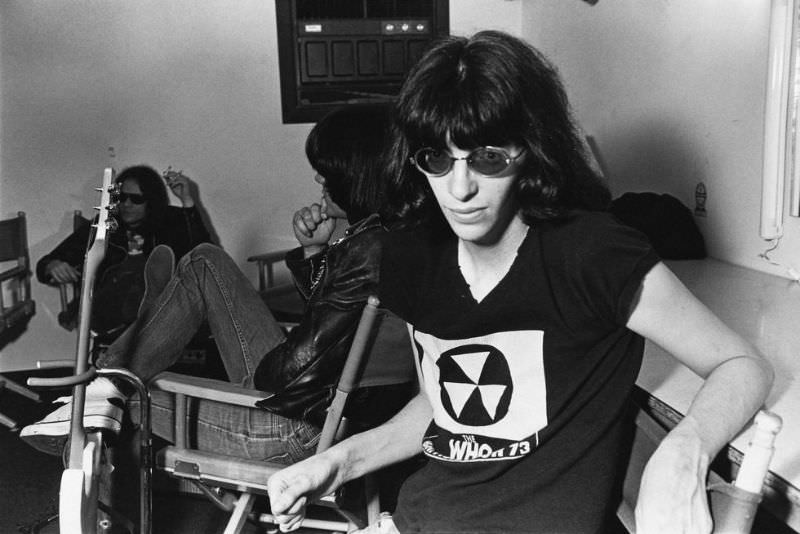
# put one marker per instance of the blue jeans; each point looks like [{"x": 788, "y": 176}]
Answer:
[{"x": 208, "y": 286}]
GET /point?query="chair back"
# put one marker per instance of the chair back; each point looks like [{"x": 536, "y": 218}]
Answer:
[
  {"x": 16, "y": 304},
  {"x": 348, "y": 380},
  {"x": 14, "y": 239}
]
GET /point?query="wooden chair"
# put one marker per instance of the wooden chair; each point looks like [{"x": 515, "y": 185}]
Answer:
[
  {"x": 283, "y": 300},
  {"x": 735, "y": 481},
  {"x": 214, "y": 472},
  {"x": 16, "y": 303}
]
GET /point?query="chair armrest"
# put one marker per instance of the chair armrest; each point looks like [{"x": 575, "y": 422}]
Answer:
[
  {"x": 216, "y": 468},
  {"x": 265, "y": 263},
  {"x": 269, "y": 257},
  {"x": 14, "y": 272},
  {"x": 208, "y": 388}
]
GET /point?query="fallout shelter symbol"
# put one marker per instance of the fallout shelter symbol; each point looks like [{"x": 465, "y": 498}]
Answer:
[{"x": 475, "y": 383}]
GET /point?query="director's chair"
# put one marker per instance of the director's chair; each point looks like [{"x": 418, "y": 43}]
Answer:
[
  {"x": 234, "y": 483},
  {"x": 735, "y": 481}
]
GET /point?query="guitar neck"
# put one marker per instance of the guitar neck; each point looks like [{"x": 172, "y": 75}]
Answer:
[{"x": 94, "y": 256}]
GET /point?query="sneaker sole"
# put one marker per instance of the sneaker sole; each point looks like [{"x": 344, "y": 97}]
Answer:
[
  {"x": 52, "y": 445},
  {"x": 62, "y": 428}
]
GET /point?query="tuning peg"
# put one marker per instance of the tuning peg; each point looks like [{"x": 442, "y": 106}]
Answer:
[{"x": 98, "y": 208}]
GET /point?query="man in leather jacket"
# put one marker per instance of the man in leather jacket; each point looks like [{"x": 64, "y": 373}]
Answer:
[{"x": 301, "y": 368}]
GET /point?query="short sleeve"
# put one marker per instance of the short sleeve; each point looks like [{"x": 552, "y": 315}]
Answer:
[{"x": 605, "y": 264}]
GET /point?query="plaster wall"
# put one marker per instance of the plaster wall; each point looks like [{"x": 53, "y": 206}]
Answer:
[{"x": 674, "y": 94}]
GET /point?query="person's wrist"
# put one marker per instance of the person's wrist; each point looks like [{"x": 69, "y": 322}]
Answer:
[{"x": 312, "y": 250}]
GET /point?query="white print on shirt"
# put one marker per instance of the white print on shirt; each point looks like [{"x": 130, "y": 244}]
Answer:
[
  {"x": 488, "y": 394},
  {"x": 468, "y": 448}
]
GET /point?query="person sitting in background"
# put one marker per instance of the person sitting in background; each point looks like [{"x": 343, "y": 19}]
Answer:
[
  {"x": 145, "y": 220},
  {"x": 345, "y": 148},
  {"x": 528, "y": 320}
]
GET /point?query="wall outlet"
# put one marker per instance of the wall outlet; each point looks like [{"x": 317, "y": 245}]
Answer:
[{"x": 700, "y": 196}]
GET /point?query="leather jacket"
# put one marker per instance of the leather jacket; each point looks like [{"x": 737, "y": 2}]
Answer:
[
  {"x": 119, "y": 284},
  {"x": 304, "y": 369}
]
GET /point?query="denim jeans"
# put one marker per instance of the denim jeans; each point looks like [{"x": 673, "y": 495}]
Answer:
[{"x": 208, "y": 286}]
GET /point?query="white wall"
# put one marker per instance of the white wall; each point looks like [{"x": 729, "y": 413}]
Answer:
[
  {"x": 674, "y": 94},
  {"x": 166, "y": 82}
]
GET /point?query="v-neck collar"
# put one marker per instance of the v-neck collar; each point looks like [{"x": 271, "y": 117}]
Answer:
[{"x": 464, "y": 288}]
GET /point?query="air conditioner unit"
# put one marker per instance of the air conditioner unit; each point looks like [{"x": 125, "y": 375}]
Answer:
[{"x": 335, "y": 52}]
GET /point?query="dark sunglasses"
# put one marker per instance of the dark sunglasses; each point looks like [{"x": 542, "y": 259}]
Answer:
[
  {"x": 136, "y": 198},
  {"x": 486, "y": 160}
]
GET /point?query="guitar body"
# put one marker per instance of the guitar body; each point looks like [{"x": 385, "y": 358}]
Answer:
[
  {"x": 79, "y": 493},
  {"x": 81, "y": 480}
]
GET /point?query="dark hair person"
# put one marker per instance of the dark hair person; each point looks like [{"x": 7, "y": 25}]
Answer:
[
  {"x": 145, "y": 220},
  {"x": 153, "y": 191},
  {"x": 528, "y": 322},
  {"x": 337, "y": 149},
  {"x": 469, "y": 97}
]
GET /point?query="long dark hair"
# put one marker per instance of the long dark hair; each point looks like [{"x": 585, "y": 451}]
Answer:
[
  {"x": 346, "y": 147},
  {"x": 153, "y": 189},
  {"x": 494, "y": 89}
]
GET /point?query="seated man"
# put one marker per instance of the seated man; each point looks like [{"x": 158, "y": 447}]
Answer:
[
  {"x": 145, "y": 220},
  {"x": 345, "y": 148},
  {"x": 528, "y": 319}
]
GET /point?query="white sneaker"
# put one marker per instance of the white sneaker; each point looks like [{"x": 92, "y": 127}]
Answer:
[{"x": 103, "y": 410}]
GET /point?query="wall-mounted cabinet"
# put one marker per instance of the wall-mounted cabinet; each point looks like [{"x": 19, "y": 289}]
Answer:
[{"x": 334, "y": 52}]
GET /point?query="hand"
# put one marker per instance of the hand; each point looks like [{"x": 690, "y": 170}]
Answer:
[
  {"x": 672, "y": 496},
  {"x": 312, "y": 227},
  {"x": 61, "y": 272},
  {"x": 181, "y": 185},
  {"x": 292, "y": 488}
]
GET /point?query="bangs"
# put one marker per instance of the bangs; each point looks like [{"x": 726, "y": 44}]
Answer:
[
  {"x": 469, "y": 110},
  {"x": 463, "y": 122}
]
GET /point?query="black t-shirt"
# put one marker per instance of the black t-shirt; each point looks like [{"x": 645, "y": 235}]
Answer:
[{"x": 529, "y": 386}]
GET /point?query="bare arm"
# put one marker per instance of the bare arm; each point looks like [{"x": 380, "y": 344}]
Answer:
[
  {"x": 397, "y": 439},
  {"x": 672, "y": 496}
]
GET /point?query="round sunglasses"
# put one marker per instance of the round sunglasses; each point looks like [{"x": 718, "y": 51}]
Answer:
[
  {"x": 485, "y": 160},
  {"x": 136, "y": 198}
]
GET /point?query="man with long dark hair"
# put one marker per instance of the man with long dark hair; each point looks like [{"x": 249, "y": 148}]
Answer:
[
  {"x": 528, "y": 317},
  {"x": 145, "y": 220}
]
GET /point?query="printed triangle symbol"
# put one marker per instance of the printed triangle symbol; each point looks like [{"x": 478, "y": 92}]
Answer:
[
  {"x": 490, "y": 394},
  {"x": 472, "y": 364},
  {"x": 459, "y": 394}
]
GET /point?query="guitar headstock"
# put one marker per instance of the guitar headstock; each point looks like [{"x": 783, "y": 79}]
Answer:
[{"x": 108, "y": 202}]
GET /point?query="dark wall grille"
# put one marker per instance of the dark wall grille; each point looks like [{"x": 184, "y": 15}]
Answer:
[
  {"x": 363, "y": 9},
  {"x": 339, "y": 51}
]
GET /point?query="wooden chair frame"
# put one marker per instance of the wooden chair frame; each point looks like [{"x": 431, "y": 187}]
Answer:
[
  {"x": 249, "y": 477},
  {"x": 283, "y": 300},
  {"x": 14, "y": 247},
  {"x": 733, "y": 509},
  {"x": 15, "y": 314}
]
